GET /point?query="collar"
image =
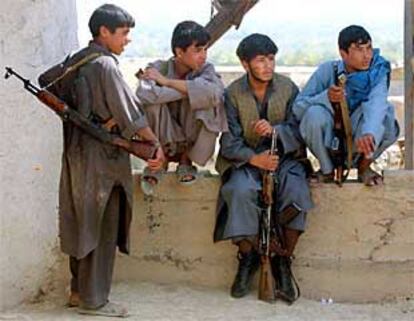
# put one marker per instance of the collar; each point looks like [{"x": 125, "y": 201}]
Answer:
[
  {"x": 341, "y": 64},
  {"x": 191, "y": 75},
  {"x": 246, "y": 85},
  {"x": 95, "y": 47}
]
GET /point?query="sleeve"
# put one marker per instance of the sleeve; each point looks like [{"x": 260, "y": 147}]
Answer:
[
  {"x": 206, "y": 90},
  {"x": 232, "y": 144},
  {"x": 375, "y": 110},
  {"x": 121, "y": 101},
  {"x": 288, "y": 131},
  {"x": 315, "y": 91},
  {"x": 152, "y": 94}
]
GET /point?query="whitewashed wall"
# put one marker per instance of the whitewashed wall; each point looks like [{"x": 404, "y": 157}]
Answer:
[{"x": 33, "y": 35}]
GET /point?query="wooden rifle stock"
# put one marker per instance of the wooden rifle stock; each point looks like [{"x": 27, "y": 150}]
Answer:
[
  {"x": 342, "y": 149},
  {"x": 267, "y": 283},
  {"x": 142, "y": 149},
  {"x": 229, "y": 13}
]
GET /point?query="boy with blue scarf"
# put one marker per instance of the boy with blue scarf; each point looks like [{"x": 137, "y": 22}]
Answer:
[{"x": 374, "y": 127}]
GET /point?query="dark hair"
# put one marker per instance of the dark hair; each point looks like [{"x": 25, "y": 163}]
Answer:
[
  {"x": 352, "y": 34},
  {"x": 111, "y": 17},
  {"x": 188, "y": 32},
  {"x": 254, "y": 45}
]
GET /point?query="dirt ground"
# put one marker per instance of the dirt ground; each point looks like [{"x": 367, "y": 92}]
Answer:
[{"x": 148, "y": 301}]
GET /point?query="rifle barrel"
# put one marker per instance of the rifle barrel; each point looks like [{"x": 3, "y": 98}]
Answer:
[{"x": 26, "y": 82}]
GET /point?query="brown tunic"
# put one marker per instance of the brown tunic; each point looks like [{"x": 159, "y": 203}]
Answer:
[{"x": 90, "y": 169}]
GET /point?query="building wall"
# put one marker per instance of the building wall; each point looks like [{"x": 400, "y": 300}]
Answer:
[
  {"x": 358, "y": 246},
  {"x": 33, "y": 35}
]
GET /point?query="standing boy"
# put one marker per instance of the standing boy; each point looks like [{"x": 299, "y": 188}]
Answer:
[{"x": 95, "y": 199}]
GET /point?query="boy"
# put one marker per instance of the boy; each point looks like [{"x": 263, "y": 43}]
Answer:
[
  {"x": 255, "y": 104},
  {"x": 95, "y": 197},
  {"x": 183, "y": 102},
  {"x": 372, "y": 119}
]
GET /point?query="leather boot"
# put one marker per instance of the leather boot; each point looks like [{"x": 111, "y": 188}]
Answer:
[
  {"x": 286, "y": 289},
  {"x": 248, "y": 264}
]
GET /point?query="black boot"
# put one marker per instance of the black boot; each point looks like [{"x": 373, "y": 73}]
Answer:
[
  {"x": 287, "y": 289},
  {"x": 248, "y": 265}
]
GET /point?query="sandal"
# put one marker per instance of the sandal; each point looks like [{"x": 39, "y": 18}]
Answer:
[
  {"x": 186, "y": 174},
  {"x": 319, "y": 177},
  {"x": 149, "y": 180},
  {"x": 110, "y": 309},
  {"x": 370, "y": 177}
]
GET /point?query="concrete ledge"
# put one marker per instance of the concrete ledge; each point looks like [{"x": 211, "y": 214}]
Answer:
[{"x": 358, "y": 246}]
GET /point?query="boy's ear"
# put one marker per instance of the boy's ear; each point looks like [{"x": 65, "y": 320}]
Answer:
[
  {"x": 245, "y": 65},
  {"x": 104, "y": 31},
  {"x": 178, "y": 52},
  {"x": 343, "y": 53}
]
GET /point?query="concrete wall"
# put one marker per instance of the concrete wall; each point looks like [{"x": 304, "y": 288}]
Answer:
[
  {"x": 33, "y": 35},
  {"x": 358, "y": 246}
]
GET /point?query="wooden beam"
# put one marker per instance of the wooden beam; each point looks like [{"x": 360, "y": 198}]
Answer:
[{"x": 409, "y": 83}]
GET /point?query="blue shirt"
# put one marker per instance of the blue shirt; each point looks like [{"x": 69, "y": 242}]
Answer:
[{"x": 372, "y": 98}]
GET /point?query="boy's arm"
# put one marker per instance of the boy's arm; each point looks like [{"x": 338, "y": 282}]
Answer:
[
  {"x": 121, "y": 101},
  {"x": 374, "y": 111},
  {"x": 150, "y": 93},
  {"x": 288, "y": 131},
  {"x": 315, "y": 91},
  {"x": 126, "y": 111},
  {"x": 232, "y": 143},
  {"x": 204, "y": 91}
]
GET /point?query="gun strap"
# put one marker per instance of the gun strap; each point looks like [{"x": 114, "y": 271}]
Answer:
[
  {"x": 76, "y": 66},
  {"x": 347, "y": 123},
  {"x": 298, "y": 293},
  {"x": 107, "y": 124}
]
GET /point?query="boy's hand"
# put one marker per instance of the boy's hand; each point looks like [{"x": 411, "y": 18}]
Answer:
[
  {"x": 157, "y": 163},
  {"x": 262, "y": 128},
  {"x": 154, "y": 74},
  {"x": 335, "y": 94},
  {"x": 366, "y": 145},
  {"x": 265, "y": 161}
]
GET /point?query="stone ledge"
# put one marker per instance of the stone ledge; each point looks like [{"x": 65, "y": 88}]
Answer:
[{"x": 357, "y": 248}]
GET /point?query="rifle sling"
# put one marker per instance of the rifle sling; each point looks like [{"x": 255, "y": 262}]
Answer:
[
  {"x": 75, "y": 67},
  {"x": 107, "y": 124},
  {"x": 346, "y": 120}
]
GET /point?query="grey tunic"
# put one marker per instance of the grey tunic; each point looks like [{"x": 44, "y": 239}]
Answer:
[
  {"x": 90, "y": 169},
  {"x": 238, "y": 209},
  {"x": 193, "y": 121}
]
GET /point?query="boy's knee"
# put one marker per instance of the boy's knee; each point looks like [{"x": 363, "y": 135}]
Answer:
[
  {"x": 238, "y": 193},
  {"x": 316, "y": 117}
]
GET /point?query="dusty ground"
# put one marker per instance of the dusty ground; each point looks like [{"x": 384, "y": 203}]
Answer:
[{"x": 147, "y": 301}]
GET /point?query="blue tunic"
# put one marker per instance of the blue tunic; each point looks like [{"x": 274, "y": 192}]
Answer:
[{"x": 366, "y": 93}]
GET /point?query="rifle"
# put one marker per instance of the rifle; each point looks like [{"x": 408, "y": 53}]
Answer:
[
  {"x": 142, "y": 149},
  {"x": 229, "y": 13},
  {"x": 267, "y": 283},
  {"x": 341, "y": 147}
]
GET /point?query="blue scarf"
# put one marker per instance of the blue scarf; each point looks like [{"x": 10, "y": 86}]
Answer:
[{"x": 360, "y": 83}]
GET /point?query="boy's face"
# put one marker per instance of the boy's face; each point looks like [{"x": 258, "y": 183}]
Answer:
[
  {"x": 261, "y": 67},
  {"x": 358, "y": 57},
  {"x": 193, "y": 57},
  {"x": 115, "y": 42}
]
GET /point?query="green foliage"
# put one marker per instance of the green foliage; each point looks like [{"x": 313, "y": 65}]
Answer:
[{"x": 298, "y": 44}]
